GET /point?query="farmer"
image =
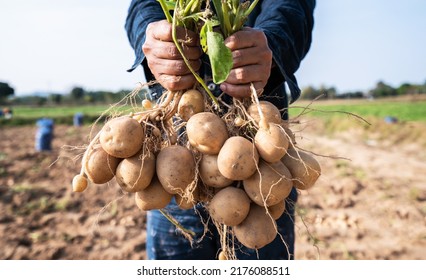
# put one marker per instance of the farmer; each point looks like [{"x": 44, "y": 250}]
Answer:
[{"x": 266, "y": 53}]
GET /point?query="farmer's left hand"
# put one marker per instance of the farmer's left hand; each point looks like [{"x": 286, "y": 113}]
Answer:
[{"x": 252, "y": 60}]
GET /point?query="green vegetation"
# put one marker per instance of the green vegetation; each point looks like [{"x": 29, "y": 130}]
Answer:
[
  {"x": 25, "y": 115},
  {"x": 402, "y": 110}
]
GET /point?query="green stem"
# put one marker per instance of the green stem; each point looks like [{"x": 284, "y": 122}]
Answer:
[
  {"x": 165, "y": 10},
  {"x": 176, "y": 224},
  {"x": 250, "y": 9},
  {"x": 226, "y": 20},
  {"x": 197, "y": 77},
  {"x": 188, "y": 7}
]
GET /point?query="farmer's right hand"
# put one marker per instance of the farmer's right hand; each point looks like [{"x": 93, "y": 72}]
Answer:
[{"x": 164, "y": 59}]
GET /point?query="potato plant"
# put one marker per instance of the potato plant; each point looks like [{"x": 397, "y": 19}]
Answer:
[{"x": 237, "y": 160}]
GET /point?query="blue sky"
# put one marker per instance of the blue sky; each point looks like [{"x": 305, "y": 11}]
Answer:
[{"x": 52, "y": 46}]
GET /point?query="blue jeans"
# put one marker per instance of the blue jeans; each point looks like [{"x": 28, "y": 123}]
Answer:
[{"x": 165, "y": 242}]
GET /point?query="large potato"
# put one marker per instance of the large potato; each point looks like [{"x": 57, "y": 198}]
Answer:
[
  {"x": 257, "y": 230},
  {"x": 269, "y": 110},
  {"x": 270, "y": 185},
  {"x": 175, "y": 168},
  {"x": 230, "y": 206},
  {"x": 122, "y": 137},
  {"x": 100, "y": 167},
  {"x": 206, "y": 132},
  {"x": 272, "y": 142},
  {"x": 210, "y": 174},
  {"x": 135, "y": 173},
  {"x": 304, "y": 168},
  {"x": 238, "y": 158},
  {"x": 152, "y": 197}
]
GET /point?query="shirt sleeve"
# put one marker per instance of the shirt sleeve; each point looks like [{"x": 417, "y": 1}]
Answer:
[
  {"x": 140, "y": 14},
  {"x": 288, "y": 26}
]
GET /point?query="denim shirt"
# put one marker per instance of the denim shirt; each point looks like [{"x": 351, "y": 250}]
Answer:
[{"x": 287, "y": 25}]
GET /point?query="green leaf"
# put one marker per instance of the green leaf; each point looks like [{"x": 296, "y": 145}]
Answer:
[
  {"x": 220, "y": 57},
  {"x": 203, "y": 38}
]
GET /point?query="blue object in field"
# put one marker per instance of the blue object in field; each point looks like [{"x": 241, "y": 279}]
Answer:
[
  {"x": 78, "y": 119},
  {"x": 44, "y": 134},
  {"x": 391, "y": 119}
]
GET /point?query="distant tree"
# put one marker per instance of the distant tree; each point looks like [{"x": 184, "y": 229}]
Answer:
[
  {"x": 351, "y": 94},
  {"x": 383, "y": 90},
  {"x": 77, "y": 93},
  {"x": 328, "y": 92},
  {"x": 309, "y": 93},
  {"x": 55, "y": 98},
  {"x": 5, "y": 91}
]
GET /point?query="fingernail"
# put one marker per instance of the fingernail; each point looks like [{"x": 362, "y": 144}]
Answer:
[{"x": 223, "y": 87}]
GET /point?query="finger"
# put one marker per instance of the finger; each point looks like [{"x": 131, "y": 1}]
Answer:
[
  {"x": 168, "y": 50},
  {"x": 162, "y": 31},
  {"x": 248, "y": 74},
  {"x": 245, "y": 38},
  {"x": 247, "y": 56},
  {"x": 174, "y": 83},
  {"x": 242, "y": 90},
  {"x": 173, "y": 67}
]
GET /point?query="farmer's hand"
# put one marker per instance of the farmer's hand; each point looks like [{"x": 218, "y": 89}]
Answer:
[
  {"x": 252, "y": 62},
  {"x": 164, "y": 59}
]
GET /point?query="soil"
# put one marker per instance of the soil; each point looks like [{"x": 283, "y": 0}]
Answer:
[{"x": 368, "y": 204}]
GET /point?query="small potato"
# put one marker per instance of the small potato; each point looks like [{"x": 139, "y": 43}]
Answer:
[
  {"x": 269, "y": 110},
  {"x": 270, "y": 185},
  {"x": 271, "y": 142},
  {"x": 277, "y": 210},
  {"x": 207, "y": 132},
  {"x": 257, "y": 230},
  {"x": 304, "y": 168},
  {"x": 238, "y": 158},
  {"x": 152, "y": 197},
  {"x": 175, "y": 168},
  {"x": 135, "y": 173},
  {"x": 191, "y": 103},
  {"x": 210, "y": 174},
  {"x": 100, "y": 167},
  {"x": 230, "y": 206},
  {"x": 79, "y": 183},
  {"x": 122, "y": 137},
  {"x": 222, "y": 256}
]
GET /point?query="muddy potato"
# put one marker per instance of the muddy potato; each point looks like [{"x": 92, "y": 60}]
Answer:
[
  {"x": 277, "y": 210},
  {"x": 303, "y": 167},
  {"x": 152, "y": 197},
  {"x": 230, "y": 206},
  {"x": 271, "y": 142},
  {"x": 135, "y": 173},
  {"x": 270, "y": 184},
  {"x": 191, "y": 103},
  {"x": 238, "y": 158},
  {"x": 122, "y": 137},
  {"x": 269, "y": 110},
  {"x": 175, "y": 168},
  {"x": 210, "y": 174},
  {"x": 257, "y": 230},
  {"x": 100, "y": 167},
  {"x": 206, "y": 132}
]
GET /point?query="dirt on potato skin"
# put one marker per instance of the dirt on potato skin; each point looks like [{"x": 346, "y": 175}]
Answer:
[{"x": 372, "y": 206}]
